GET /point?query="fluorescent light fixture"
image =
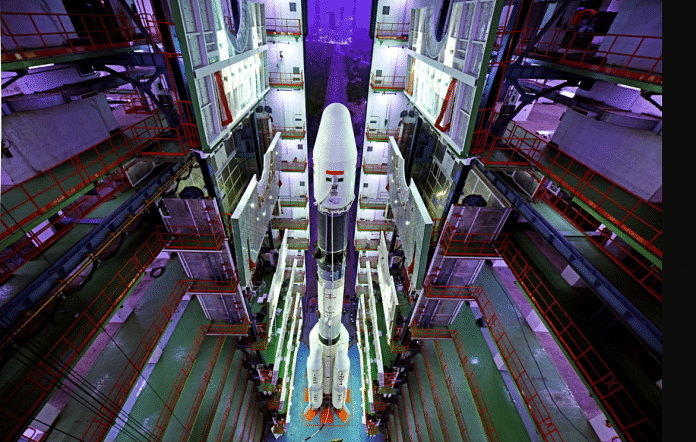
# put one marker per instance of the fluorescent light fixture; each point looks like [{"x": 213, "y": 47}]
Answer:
[{"x": 42, "y": 66}]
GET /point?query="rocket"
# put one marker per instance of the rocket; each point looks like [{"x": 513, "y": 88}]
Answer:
[{"x": 335, "y": 160}]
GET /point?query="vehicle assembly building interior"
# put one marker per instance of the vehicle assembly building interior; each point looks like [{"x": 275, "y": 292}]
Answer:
[{"x": 236, "y": 220}]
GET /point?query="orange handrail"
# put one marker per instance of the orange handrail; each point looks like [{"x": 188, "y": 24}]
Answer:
[
  {"x": 576, "y": 178},
  {"x": 599, "y": 376},
  {"x": 373, "y": 134},
  {"x": 286, "y": 79},
  {"x": 470, "y": 244},
  {"x": 283, "y": 26},
  {"x": 637, "y": 57},
  {"x": 392, "y": 31},
  {"x": 452, "y": 391},
  {"x": 641, "y": 269},
  {"x": 387, "y": 82}
]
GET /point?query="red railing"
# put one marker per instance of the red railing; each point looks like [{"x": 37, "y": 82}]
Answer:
[
  {"x": 438, "y": 291},
  {"x": 193, "y": 237},
  {"x": 540, "y": 415},
  {"x": 25, "y": 202},
  {"x": 430, "y": 333},
  {"x": 228, "y": 406},
  {"x": 381, "y": 134},
  {"x": 30, "y": 35},
  {"x": 291, "y": 224},
  {"x": 202, "y": 387},
  {"x": 40, "y": 382},
  {"x": 179, "y": 382},
  {"x": 293, "y": 202},
  {"x": 283, "y": 26},
  {"x": 398, "y": 425},
  {"x": 436, "y": 400},
  {"x": 632, "y": 421},
  {"x": 36, "y": 241},
  {"x": 392, "y": 31},
  {"x": 229, "y": 329},
  {"x": 290, "y": 133},
  {"x": 471, "y": 244},
  {"x": 638, "y": 57},
  {"x": 452, "y": 391},
  {"x": 138, "y": 104},
  {"x": 473, "y": 385},
  {"x": 239, "y": 408},
  {"x": 368, "y": 203},
  {"x": 425, "y": 407},
  {"x": 210, "y": 286},
  {"x": 639, "y": 267},
  {"x": 285, "y": 79},
  {"x": 218, "y": 393},
  {"x": 384, "y": 225},
  {"x": 293, "y": 166},
  {"x": 118, "y": 393},
  {"x": 519, "y": 147},
  {"x": 387, "y": 82},
  {"x": 376, "y": 169},
  {"x": 415, "y": 417},
  {"x": 407, "y": 280}
]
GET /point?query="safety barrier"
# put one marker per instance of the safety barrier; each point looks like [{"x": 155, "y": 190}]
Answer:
[
  {"x": 437, "y": 291},
  {"x": 218, "y": 393},
  {"x": 481, "y": 406},
  {"x": 56, "y": 34},
  {"x": 293, "y": 166},
  {"x": 290, "y": 224},
  {"x": 392, "y": 31},
  {"x": 415, "y": 417},
  {"x": 639, "y": 267},
  {"x": 239, "y": 408},
  {"x": 179, "y": 382},
  {"x": 376, "y": 169},
  {"x": 290, "y": 133},
  {"x": 373, "y": 134},
  {"x": 283, "y": 26},
  {"x": 384, "y": 225},
  {"x": 387, "y": 82},
  {"x": 471, "y": 244},
  {"x": 369, "y": 203},
  {"x": 286, "y": 79},
  {"x": 637, "y": 57},
  {"x": 436, "y": 400},
  {"x": 36, "y": 241},
  {"x": 193, "y": 237},
  {"x": 202, "y": 387},
  {"x": 452, "y": 391},
  {"x": 293, "y": 202},
  {"x": 119, "y": 392},
  {"x": 27, "y": 201},
  {"x": 540, "y": 415},
  {"x": 636, "y": 217},
  {"x": 632, "y": 421}
]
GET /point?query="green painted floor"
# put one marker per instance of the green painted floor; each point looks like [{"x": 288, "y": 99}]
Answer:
[
  {"x": 150, "y": 400},
  {"x": 506, "y": 419},
  {"x": 567, "y": 415},
  {"x": 111, "y": 363},
  {"x": 621, "y": 351}
]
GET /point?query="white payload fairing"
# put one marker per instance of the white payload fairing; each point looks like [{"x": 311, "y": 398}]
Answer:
[{"x": 335, "y": 162}]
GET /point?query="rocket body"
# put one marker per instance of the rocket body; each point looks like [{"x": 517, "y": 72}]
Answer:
[{"x": 335, "y": 162}]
